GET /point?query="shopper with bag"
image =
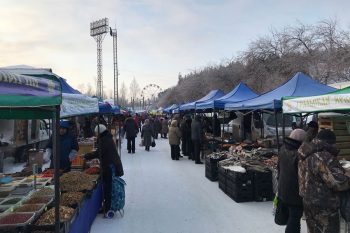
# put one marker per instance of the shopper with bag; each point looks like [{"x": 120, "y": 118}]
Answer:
[
  {"x": 147, "y": 134},
  {"x": 174, "y": 140},
  {"x": 108, "y": 155},
  {"x": 288, "y": 186},
  {"x": 321, "y": 177}
]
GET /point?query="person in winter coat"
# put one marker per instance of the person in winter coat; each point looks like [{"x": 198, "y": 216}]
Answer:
[
  {"x": 109, "y": 159},
  {"x": 147, "y": 134},
  {"x": 157, "y": 127},
  {"x": 216, "y": 126},
  {"x": 165, "y": 127},
  {"x": 320, "y": 178},
  {"x": 68, "y": 148},
  {"x": 131, "y": 130},
  {"x": 288, "y": 186},
  {"x": 196, "y": 136},
  {"x": 174, "y": 140}
]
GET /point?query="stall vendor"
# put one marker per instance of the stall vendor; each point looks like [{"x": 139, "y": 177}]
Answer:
[{"x": 68, "y": 148}]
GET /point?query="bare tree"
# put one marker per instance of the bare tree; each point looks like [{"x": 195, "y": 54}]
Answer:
[
  {"x": 134, "y": 89},
  {"x": 123, "y": 95}
]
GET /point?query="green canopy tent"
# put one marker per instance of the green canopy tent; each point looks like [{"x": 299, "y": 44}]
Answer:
[
  {"x": 337, "y": 101},
  {"x": 28, "y": 97}
]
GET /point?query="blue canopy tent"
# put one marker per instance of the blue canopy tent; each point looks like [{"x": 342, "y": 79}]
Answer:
[
  {"x": 170, "y": 108},
  {"x": 239, "y": 93},
  {"x": 299, "y": 85},
  {"x": 212, "y": 95},
  {"x": 104, "y": 108}
]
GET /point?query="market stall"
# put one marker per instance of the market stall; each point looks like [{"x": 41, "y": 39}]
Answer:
[
  {"x": 26, "y": 97},
  {"x": 271, "y": 102},
  {"x": 337, "y": 101}
]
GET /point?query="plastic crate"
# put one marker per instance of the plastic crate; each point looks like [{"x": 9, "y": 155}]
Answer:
[{"x": 240, "y": 195}]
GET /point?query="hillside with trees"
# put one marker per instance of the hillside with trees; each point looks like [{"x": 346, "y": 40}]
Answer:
[{"x": 321, "y": 51}]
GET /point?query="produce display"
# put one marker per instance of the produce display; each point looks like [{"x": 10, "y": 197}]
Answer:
[
  {"x": 38, "y": 200},
  {"x": 76, "y": 181},
  {"x": 15, "y": 218},
  {"x": 71, "y": 198},
  {"x": 48, "y": 218},
  {"x": 44, "y": 192},
  {"x": 29, "y": 208},
  {"x": 21, "y": 191}
]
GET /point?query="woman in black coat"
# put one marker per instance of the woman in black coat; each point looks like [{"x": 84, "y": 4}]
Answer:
[
  {"x": 109, "y": 158},
  {"x": 288, "y": 185}
]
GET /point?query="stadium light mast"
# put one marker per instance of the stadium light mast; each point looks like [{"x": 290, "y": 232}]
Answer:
[
  {"x": 113, "y": 33},
  {"x": 98, "y": 30}
]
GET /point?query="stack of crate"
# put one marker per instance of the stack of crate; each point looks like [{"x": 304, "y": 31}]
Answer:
[
  {"x": 263, "y": 188},
  {"x": 239, "y": 186},
  {"x": 222, "y": 178},
  {"x": 339, "y": 125},
  {"x": 211, "y": 168}
]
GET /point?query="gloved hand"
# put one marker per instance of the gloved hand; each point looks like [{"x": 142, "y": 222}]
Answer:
[{"x": 47, "y": 155}]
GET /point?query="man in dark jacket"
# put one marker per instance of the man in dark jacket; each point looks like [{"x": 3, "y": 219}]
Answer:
[
  {"x": 288, "y": 186},
  {"x": 131, "y": 130},
  {"x": 320, "y": 178},
  {"x": 196, "y": 136},
  {"x": 312, "y": 130},
  {"x": 68, "y": 147},
  {"x": 110, "y": 159},
  {"x": 216, "y": 126}
]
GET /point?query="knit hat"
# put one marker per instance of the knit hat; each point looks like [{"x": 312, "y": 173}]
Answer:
[
  {"x": 100, "y": 129},
  {"x": 327, "y": 135},
  {"x": 298, "y": 135}
]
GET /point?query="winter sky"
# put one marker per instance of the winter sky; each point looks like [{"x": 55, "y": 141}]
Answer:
[{"x": 158, "y": 39}]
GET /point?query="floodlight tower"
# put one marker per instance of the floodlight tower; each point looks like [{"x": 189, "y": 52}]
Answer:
[
  {"x": 98, "y": 30},
  {"x": 113, "y": 33}
]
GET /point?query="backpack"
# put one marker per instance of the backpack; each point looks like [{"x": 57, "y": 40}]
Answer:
[{"x": 118, "y": 193}]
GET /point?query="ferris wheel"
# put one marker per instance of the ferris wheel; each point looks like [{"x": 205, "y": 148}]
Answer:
[{"x": 150, "y": 93}]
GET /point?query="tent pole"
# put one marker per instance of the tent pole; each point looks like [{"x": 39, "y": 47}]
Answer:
[
  {"x": 213, "y": 126},
  {"x": 283, "y": 126},
  {"x": 276, "y": 122},
  {"x": 56, "y": 157},
  {"x": 223, "y": 132},
  {"x": 261, "y": 125}
]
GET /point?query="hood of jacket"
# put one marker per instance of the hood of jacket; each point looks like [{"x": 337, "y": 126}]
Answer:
[
  {"x": 316, "y": 145},
  {"x": 174, "y": 123},
  {"x": 291, "y": 144}
]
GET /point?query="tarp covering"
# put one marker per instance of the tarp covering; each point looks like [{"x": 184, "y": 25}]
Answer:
[
  {"x": 104, "y": 108},
  {"x": 299, "y": 85},
  {"x": 73, "y": 102},
  {"x": 212, "y": 95},
  {"x": 170, "y": 108},
  {"x": 335, "y": 101},
  {"x": 239, "y": 93},
  {"x": 20, "y": 91}
]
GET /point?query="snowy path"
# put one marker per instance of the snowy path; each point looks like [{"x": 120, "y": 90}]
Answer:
[{"x": 166, "y": 196}]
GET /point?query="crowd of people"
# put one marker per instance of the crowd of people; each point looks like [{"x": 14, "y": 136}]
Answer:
[{"x": 310, "y": 178}]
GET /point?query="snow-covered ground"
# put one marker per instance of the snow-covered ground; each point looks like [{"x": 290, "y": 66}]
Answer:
[{"x": 166, "y": 196}]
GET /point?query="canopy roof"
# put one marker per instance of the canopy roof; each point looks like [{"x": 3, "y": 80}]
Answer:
[
  {"x": 170, "y": 108},
  {"x": 299, "y": 85},
  {"x": 26, "y": 97},
  {"x": 335, "y": 101},
  {"x": 104, "y": 107},
  {"x": 239, "y": 93},
  {"x": 212, "y": 95},
  {"x": 73, "y": 102}
]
